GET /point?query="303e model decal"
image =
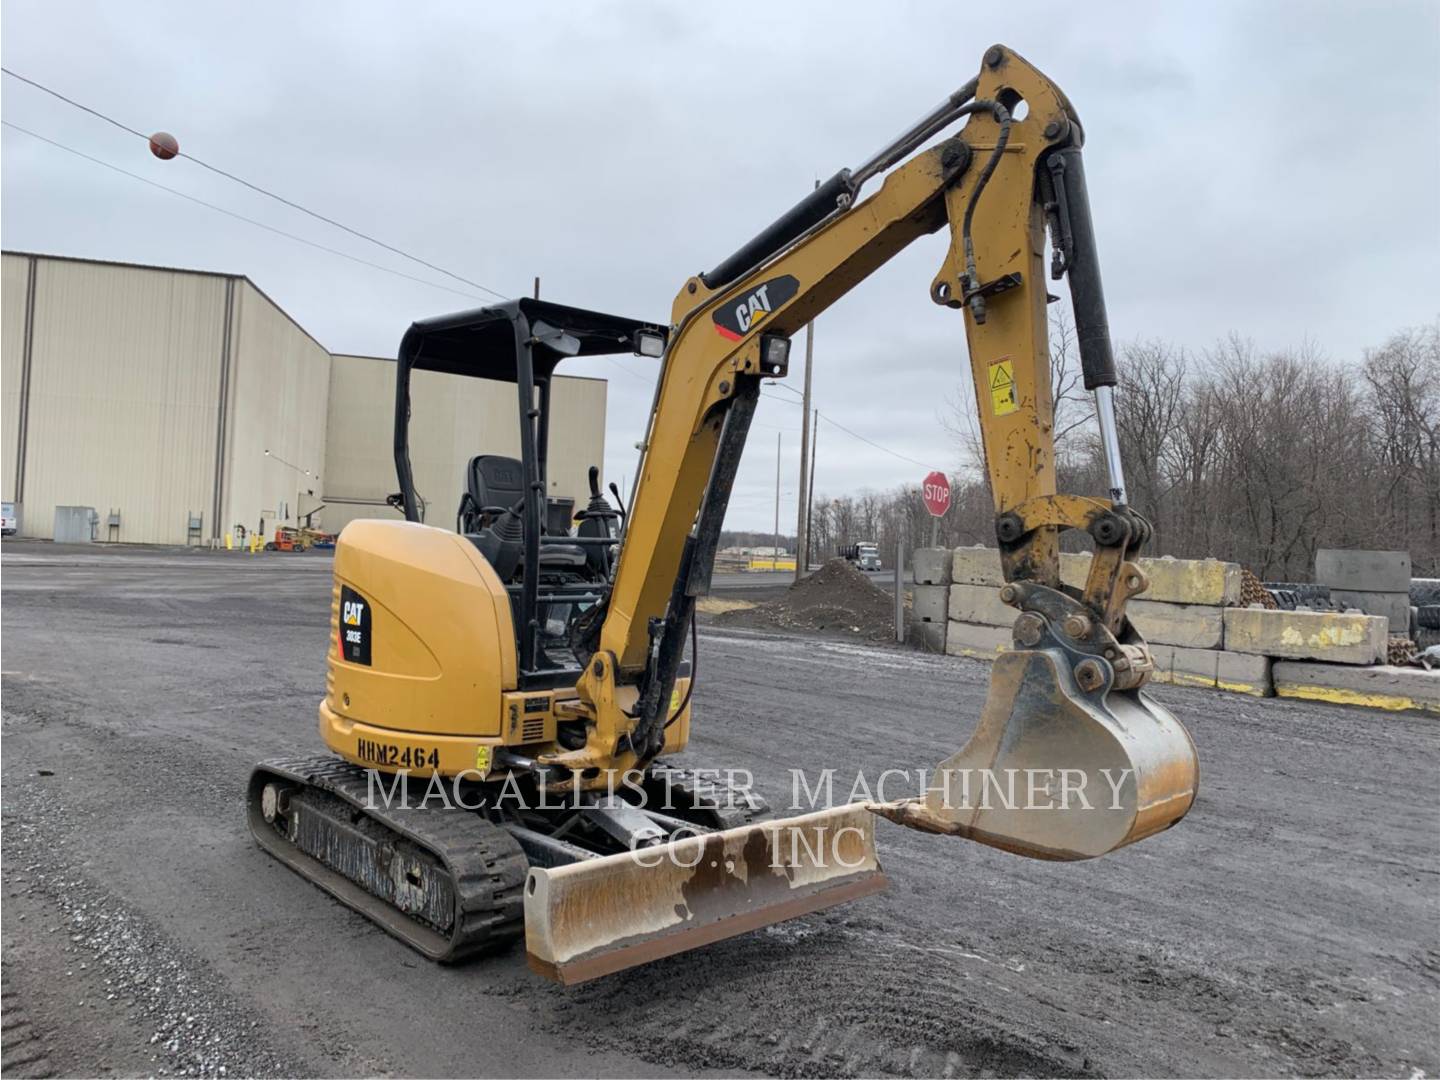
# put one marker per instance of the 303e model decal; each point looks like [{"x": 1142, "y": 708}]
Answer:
[
  {"x": 354, "y": 630},
  {"x": 736, "y": 318}
]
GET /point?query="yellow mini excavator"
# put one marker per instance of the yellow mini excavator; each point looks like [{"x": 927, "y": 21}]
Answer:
[{"x": 502, "y": 700}]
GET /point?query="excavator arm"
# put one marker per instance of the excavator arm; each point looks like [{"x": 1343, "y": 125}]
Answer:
[{"x": 1065, "y": 704}]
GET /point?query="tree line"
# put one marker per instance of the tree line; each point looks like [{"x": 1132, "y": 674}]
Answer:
[{"x": 1254, "y": 457}]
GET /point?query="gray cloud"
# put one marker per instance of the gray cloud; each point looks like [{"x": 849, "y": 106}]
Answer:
[{"x": 1264, "y": 168}]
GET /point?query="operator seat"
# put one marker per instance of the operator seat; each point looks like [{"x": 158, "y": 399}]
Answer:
[{"x": 490, "y": 518}]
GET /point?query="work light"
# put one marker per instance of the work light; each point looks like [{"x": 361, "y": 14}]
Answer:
[
  {"x": 649, "y": 343},
  {"x": 775, "y": 354}
]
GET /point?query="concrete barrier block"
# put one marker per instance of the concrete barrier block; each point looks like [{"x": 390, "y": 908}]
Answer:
[
  {"x": 1198, "y": 670},
  {"x": 1172, "y": 581},
  {"x": 1241, "y": 673},
  {"x": 984, "y": 642},
  {"x": 1327, "y": 636},
  {"x": 1074, "y": 569},
  {"x": 1192, "y": 626},
  {"x": 1193, "y": 581},
  {"x": 929, "y": 636},
  {"x": 976, "y": 566},
  {"x": 1394, "y": 606},
  {"x": 1368, "y": 571},
  {"x": 931, "y": 566},
  {"x": 929, "y": 603},
  {"x": 1212, "y": 668},
  {"x": 980, "y": 604},
  {"x": 1395, "y": 689}
]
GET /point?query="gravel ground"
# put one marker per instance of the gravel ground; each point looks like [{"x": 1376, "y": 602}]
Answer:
[{"x": 1287, "y": 927}]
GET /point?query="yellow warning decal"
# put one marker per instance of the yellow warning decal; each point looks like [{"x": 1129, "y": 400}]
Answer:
[
  {"x": 482, "y": 759},
  {"x": 1001, "y": 377}
]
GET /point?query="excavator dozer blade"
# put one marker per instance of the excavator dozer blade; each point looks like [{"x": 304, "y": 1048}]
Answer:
[
  {"x": 592, "y": 918},
  {"x": 1057, "y": 772}
]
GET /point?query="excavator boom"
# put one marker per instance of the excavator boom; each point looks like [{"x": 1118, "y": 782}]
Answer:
[{"x": 1067, "y": 701}]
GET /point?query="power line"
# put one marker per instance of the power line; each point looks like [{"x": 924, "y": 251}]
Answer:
[
  {"x": 336, "y": 224},
  {"x": 842, "y": 427},
  {"x": 256, "y": 187},
  {"x": 870, "y": 442},
  {"x": 233, "y": 214}
]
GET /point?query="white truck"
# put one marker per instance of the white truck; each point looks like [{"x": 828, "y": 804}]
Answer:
[{"x": 865, "y": 555}]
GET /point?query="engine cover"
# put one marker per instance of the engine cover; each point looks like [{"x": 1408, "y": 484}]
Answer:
[{"x": 422, "y": 649}]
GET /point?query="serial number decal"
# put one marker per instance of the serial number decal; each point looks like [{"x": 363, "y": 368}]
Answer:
[{"x": 402, "y": 757}]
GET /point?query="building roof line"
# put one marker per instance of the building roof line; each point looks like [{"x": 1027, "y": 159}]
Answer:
[{"x": 125, "y": 265}]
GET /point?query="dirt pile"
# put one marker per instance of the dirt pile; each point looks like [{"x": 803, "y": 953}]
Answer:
[{"x": 837, "y": 598}]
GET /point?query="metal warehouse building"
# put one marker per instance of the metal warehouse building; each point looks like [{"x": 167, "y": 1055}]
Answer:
[
  {"x": 177, "y": 405},
  {"x": 453, "y": 418}
]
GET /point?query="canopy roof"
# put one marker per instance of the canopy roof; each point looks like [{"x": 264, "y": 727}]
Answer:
[{"x": 480, "y": 343}]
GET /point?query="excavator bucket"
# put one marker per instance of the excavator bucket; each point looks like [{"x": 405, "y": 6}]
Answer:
[
  {"x": 603, "y": 915},
  {"x": 1055, "y": 771}
]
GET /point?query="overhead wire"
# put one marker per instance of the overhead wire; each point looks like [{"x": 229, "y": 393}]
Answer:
[
  {"x": 231, "y": 213},
  {"x": 336, "y": 224},
  {"x": 256, "y": 187}
]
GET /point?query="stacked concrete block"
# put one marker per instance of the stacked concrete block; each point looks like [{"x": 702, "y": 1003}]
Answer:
[
  {"x": 976, "y": 566},
  {"x": 1212, "y": 668},
  {"x": 980, "y": 604},
  {"x": 1181, "y": 615},
  {"x": 1328, "y": 636},
  {"x": 931, "y": 566},
  {"x": 1173, "y": 581},
  {"x": 980, "y": 642},
  {"x": 1200, "y": 636},
  {"x": 930, "y": 598},
  {"x": 1395, "y": 689},
  {"x": 1375, "y": 582},
  {"x": 1191, "y": 626}
]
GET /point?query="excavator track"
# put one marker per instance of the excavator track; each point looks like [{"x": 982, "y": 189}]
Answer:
[
  {"x": 725, "y": 806},
  {"x": 446, "y": 882}
]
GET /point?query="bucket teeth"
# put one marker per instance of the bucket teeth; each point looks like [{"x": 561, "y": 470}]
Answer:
[{"x": 592, "y": 918}]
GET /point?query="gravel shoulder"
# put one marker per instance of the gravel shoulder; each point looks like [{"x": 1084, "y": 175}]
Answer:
[{"x": 1290, "y": 925}]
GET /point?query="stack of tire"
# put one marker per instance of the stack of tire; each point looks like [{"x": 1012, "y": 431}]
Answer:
[
  {"x": 1290, "y": 595},
  {"x": 1425, "y": 607}
]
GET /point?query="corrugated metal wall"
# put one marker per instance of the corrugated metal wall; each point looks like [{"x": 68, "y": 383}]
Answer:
[
  {"x": 276, "y": 401},
  {"x": 121, "y": 409},
  {"x": 452, "y": 420},
  {"x": 157, "y": 393},
  {"x": 14, "y": 304}
]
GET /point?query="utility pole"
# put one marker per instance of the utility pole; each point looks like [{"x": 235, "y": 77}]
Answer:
[
  {"x": 900, "y": 583},
  {"x": 537, "y": 286},
  {"x": 802, "y": 527},
  {"x": 775, "y": 551},
  {"x": 810, "y": 485}
]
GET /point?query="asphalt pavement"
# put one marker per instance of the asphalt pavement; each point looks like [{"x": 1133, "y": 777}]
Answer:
[{"x": 1290, "y": 925}]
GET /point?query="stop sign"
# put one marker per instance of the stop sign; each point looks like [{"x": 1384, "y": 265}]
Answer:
[{"x": 936, "y": 493}]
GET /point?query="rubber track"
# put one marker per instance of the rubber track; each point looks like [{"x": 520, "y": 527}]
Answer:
[
  {"x": 737, "y": 806},
  {"x": 486, "y": 865}
]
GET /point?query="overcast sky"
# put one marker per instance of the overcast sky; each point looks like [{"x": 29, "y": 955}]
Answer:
[{"x": 1270, "y": 169}]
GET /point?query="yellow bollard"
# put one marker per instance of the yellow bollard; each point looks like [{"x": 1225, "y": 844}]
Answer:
[{"x": 229, "y": 541}]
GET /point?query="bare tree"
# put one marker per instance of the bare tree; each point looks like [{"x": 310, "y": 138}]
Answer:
[{"x": 1258, "y": 458}]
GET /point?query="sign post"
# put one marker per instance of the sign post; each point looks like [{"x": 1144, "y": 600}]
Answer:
[{"x": 936, "y": 492}]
